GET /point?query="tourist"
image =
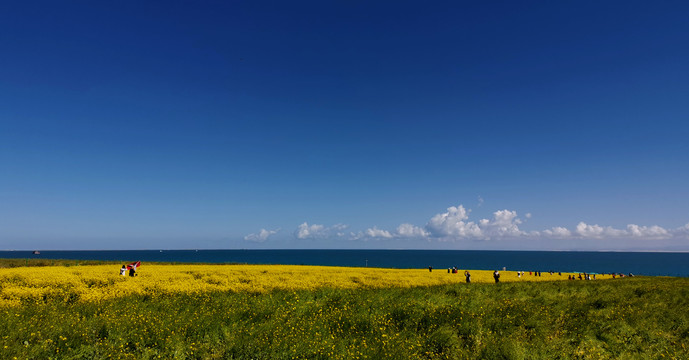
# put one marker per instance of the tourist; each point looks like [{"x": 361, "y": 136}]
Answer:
[
  {"x": 496, "y": 276},
  {"x": 468, "y": 276},
  {"x": 123, "y": 271},
  {"x": 132, "y": 268}
]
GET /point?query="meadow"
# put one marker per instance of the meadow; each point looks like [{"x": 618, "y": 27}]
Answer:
[{"x": 308, "y": 312}]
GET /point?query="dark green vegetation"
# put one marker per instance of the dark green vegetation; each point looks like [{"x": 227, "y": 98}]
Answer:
[{"x": 633, "y": 318}]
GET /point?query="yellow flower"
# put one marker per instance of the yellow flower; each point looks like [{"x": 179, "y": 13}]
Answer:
[{"x": 101, "y": 282}]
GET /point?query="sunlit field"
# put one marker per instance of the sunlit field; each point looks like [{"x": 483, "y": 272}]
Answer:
[
  {"x": 100, "y": 282},
  {"x": 309, "y": 312}
]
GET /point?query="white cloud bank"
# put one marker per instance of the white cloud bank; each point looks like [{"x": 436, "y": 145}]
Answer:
[
  {"x": 502, "y": 230},
  {"x": 455, "y": 225}
]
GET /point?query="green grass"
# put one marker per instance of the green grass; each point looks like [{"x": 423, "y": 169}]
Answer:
[{"x": 633, "y": 318}]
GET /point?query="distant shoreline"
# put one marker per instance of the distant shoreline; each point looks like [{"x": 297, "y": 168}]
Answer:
[
  {"x": 639, "y": 263},
  {"x": 309, "y": 249}
]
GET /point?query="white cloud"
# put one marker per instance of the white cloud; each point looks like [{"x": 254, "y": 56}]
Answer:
[
  {"x": 377, "y": 233},
  {"x": 682, "y": 231},
  {"x": 455, "y": 225},
  {"x": 403, "y": 231},
  {"x": 262, "y": 235},
  {"x": 504, "y": 224},
  {"x": 317, "y": 231},
  {"x": 557, "y": 231},
  {"x": 306, "y": 231},
  {"x": 584, "y": 230},
  {"x": 411, "y": 231},
  {"x": 338, "y": 227},
  {"x": 647, "y": 232},
  {"x": 452, "y": 224},
  {"x": 597, "y": 232}
]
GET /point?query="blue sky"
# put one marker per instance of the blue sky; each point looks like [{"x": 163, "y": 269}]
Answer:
[{"x": 459, "y": 125}]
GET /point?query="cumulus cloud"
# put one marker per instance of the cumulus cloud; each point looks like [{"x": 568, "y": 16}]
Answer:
[
  {"x": 682, "y": 231},
  {"x": 557, "y": 231},
  {"x": 317, "y": 231},
  {"x": 411, "y": 231},
  {"x": 646, "y": 231},
  {"x": 261, "y": 236},
  {"x": 595, "y": 231},
  {"x": 305, "y": 231},
  {"x": 455, "y": 225},
  {"x": 404, "y": 231},
  {"x": 586, "y": 231},
  {"x": 377, "y": 233},
  {"x": 504, "y": 224}
]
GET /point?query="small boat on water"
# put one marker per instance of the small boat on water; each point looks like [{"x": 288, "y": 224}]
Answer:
[{"x": 36, "y": 252}]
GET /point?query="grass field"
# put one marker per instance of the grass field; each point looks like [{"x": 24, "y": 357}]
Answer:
[{"x": 285, "y": 312}]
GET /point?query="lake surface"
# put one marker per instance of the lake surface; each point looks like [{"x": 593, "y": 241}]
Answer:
[{"x": 638, "y": 263}]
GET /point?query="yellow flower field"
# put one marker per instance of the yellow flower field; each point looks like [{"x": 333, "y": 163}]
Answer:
[{"x": 100, "y": 282}]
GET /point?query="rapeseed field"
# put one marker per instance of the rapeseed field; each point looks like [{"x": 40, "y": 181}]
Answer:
[
  {"x": 101, "y": 282},
  {"x": 306, "y": 312}
]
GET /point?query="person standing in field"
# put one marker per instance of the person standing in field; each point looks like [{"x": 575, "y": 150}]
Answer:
[
  {"x": 123, "y": 271},
  {"x": 467, "y": 274},
  {"x": 132, "y": 268},
  {"x": 496, "y": 276}
]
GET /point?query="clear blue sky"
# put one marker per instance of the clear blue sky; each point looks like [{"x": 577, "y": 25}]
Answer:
[{"x": 219, "y": 124}]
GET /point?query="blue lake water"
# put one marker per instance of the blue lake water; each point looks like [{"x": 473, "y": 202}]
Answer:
[{"x": 639, "y": 263}]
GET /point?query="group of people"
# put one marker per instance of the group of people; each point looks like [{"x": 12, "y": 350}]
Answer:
[
  {"x": 467, "y": 274},
  {"x": 496, "y": 274},
  {"x": 582, "y": 276},
  {"x": 621, "y": 275},
  {"x": 131, "y": 268},
  {"x": 453, "y": 270}
]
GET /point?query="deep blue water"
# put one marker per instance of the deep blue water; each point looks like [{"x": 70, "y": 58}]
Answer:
[{"x": 639, "y": 263}]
